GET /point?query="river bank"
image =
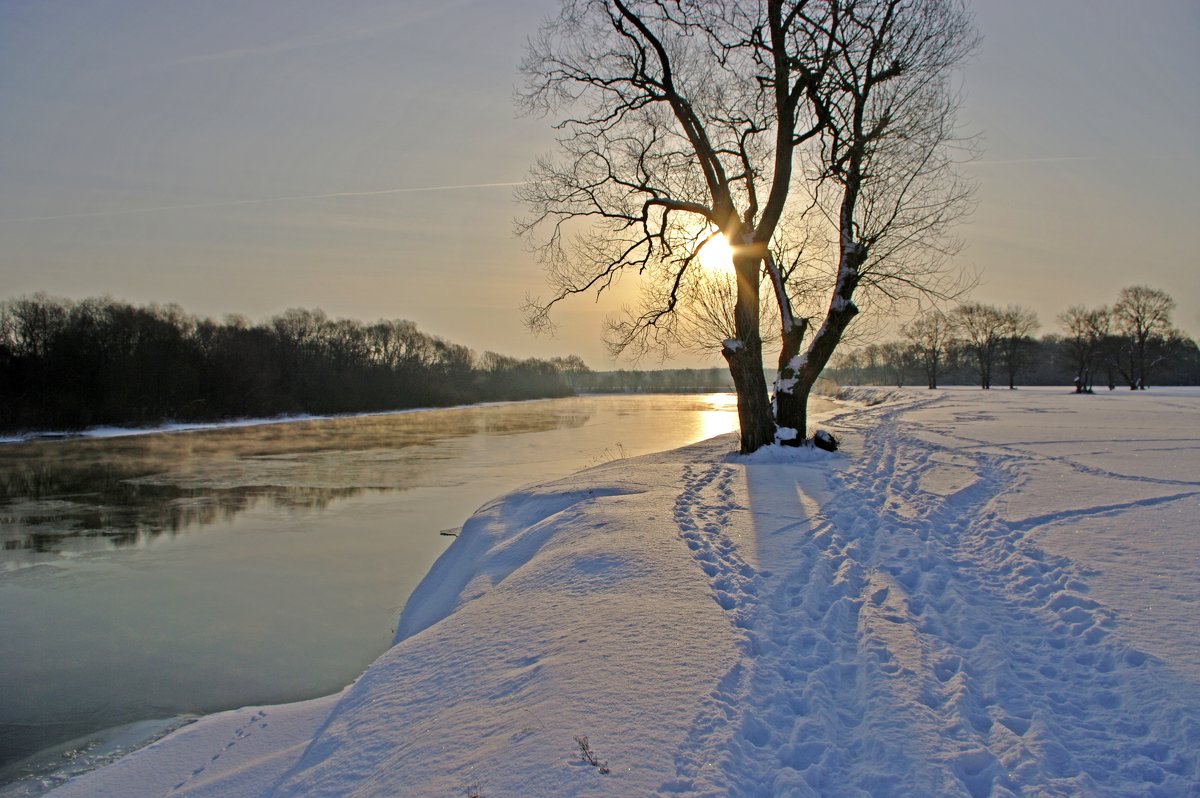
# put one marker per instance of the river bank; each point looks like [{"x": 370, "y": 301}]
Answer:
[{"x": 982, "y": 594}]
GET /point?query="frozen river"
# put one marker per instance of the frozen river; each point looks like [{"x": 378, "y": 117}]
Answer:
[{"x": 159, "y": 575}]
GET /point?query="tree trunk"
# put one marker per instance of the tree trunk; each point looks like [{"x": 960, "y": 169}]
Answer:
[
  {"x": 790, "y": 403},
  {"x": 754, "y": 411},
  {"x": 744, "y": 356},
  {"x": 792, "y": 412},
  {"x": 792, "y": 392}
]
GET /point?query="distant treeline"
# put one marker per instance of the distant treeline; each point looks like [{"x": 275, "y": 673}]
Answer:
[
  {"x": 68, "y": 365},
  {"x": 1048, "y": 360},
  {"x": 1130, "y": 344},
  {"x": 658, "y": 381}
]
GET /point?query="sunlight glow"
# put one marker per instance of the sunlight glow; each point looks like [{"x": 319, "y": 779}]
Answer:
[
  {"x": 716, "y": 255},
  {"x": 720, "y": 418}
]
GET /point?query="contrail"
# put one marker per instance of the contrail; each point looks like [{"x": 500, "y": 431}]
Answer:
[
  {"x": 259, "y": 201},
  {"x": 1052, "y": 159}
]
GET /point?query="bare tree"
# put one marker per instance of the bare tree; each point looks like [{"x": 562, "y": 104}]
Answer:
[
  {"x": 980, "y": 328},
  {"x": 928, "y": 335},
  {"x": 677, "y": 129},
  {"x": 849, "y": 366},
  {"x": 30, "y": 323},
  {"x": 1017, "y": 324},
  {"x": 1086, "y": 331},
  {"x": 883, "y": 177},
  {"x": 898, "y": 358},
  {"x": 1141, "y": 314},
  {"x": 682, "y": 120}
]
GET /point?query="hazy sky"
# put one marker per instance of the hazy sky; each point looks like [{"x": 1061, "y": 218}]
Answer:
[{"x": 357, "y": 155}]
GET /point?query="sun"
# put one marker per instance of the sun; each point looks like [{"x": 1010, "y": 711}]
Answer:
[{"x": 716, "y": 255}]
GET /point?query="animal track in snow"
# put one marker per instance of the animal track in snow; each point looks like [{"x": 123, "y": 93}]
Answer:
[{"x": 256, "y": 722}]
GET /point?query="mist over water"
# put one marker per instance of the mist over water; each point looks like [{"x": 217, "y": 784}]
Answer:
[{"x": 158, "y": 575}]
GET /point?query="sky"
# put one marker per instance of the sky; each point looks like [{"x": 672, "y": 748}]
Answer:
[{"x": 360, "y": 156}]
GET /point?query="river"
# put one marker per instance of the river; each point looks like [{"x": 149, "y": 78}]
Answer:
[{"x": 157, "y": 576}]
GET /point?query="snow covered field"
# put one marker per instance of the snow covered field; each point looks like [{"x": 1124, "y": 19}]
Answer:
[{"x": 982, "y": 594}]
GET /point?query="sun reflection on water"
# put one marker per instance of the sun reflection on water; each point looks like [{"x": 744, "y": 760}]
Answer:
[{"x": 720, "y": 416}]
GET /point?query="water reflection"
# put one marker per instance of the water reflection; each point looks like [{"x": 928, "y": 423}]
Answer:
[
  {"x": 78, "y": 495},
  {"x": 715, "y": 419}
]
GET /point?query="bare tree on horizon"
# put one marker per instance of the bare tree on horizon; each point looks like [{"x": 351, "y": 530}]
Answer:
[
  {"x": 1017, "y": 324},
  {"x": 929, "y": 335},
  {"x": 980, "y": 329},
  {"x": 1141, "y": 314},
  {"x": 1087, "y": 331}
]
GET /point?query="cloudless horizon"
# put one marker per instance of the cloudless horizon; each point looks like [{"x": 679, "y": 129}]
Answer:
[{"x": 360, "y": 157}]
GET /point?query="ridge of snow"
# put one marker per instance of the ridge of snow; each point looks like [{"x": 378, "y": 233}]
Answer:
[
  {"x": 498, "y": 539},
  {"x": 872, "y": 395}
]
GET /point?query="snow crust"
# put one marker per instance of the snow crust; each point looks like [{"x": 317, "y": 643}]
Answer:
[{"x": 949, "y": 606}]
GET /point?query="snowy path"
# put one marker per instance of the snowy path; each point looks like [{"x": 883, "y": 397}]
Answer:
[
  {"x": 903, "y": 638},
  {"x": 982, "y": 595}
]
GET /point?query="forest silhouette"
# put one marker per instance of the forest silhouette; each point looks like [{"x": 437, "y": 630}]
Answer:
[{"x": 70, "y": 365}]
